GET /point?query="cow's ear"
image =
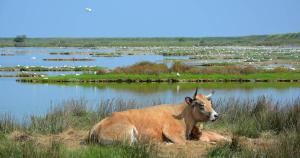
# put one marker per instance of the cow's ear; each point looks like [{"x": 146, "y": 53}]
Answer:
[{"x": 188, "y": 100}]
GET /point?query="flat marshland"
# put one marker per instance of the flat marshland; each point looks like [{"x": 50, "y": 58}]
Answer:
[
  {"x": 178, "y": 72},
  {"x": 257, "y": 127}
]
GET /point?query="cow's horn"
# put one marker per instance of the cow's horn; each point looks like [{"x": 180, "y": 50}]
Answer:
[
  {"x": 210, "y": 94},
  {"x": 195, "y": 93}
]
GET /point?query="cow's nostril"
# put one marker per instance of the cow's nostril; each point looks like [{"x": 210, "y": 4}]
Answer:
[{"x": 216, "y": 116}]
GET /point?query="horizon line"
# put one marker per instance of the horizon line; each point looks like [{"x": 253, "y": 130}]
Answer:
[{"x": 249, "y": 35}]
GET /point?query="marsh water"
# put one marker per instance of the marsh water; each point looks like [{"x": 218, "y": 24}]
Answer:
[
  {"x": 23, "y": 99},
  {"x": 31, "y": 56}
]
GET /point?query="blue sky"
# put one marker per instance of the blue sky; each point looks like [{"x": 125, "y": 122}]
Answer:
[{"x": 147, "y": 18}]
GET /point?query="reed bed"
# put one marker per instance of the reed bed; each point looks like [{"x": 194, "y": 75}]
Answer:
[{"x": 254, "y": 119}]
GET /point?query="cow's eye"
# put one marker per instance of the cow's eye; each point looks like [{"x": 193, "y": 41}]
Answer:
[{"x": 201, "y": 106}]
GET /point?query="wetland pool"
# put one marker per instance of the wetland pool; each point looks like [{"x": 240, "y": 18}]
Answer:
[
  {"x": 34, "y": 57},
  {"x": 24, "y": 99}
]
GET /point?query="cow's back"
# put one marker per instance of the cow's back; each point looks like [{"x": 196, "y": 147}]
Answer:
[{"x": 147, "y": 122}]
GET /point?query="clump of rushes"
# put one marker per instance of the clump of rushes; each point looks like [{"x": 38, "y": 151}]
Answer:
[
  {"x": 7, "y": 123},
  {"x": 143, "y": 68},
  {"x": 252, "y": 117},
  {"x": 74, "y": 114},
  {"x": 180, "y": 67},
  {"x": 287, "y": 144}
]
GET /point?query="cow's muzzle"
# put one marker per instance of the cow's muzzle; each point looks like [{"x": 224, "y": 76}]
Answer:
[{"x": 213, "y": 116}]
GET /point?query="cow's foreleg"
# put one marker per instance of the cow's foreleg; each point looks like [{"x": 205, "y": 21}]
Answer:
[{"x": 175, "y": 133}]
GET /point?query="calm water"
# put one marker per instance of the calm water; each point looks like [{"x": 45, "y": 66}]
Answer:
[
  {"x": 22, "y": 99},
  {"x": 34, "y": 57}
]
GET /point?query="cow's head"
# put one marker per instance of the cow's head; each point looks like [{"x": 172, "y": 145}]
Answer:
[{"x": 201, "y": 105}]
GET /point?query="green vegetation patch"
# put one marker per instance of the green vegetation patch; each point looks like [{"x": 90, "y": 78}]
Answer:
[
  {"x": 30, "y": 149},
  {"x": 168, "y": 77}
]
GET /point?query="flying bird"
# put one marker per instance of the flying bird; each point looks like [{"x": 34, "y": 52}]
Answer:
[{"x": 88, "y": 9}]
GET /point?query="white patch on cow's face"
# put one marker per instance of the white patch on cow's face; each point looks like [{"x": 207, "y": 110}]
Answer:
[{"x": 213, "y": 116}]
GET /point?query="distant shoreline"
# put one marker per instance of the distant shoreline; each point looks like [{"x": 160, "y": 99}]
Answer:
[{"x": 288, "y": 39}]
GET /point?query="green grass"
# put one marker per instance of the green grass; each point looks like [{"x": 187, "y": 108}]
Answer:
[
  {"x": 286, "y": 145},
  {"x": 166, "y": 77},
  {"x": 30, "y": 149},
  {"x": 117, "y": 151}
]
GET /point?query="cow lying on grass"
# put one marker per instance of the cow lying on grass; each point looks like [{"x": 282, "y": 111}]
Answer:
[{"x": 155, "y": 123}]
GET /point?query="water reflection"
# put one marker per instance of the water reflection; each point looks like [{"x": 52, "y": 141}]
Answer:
[{"x": 22, "y": 99}]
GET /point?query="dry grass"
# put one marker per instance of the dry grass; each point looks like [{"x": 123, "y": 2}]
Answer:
[{"x": 143, "y": 68}]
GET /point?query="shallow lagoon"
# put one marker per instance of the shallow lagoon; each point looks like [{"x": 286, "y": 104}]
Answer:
[{"x": 34, "y": 57}]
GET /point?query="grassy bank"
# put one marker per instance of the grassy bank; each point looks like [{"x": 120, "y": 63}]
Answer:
[
  {"x": 178, "y": 72},
  {"x": 259, "y": 127},
  {"x": 267, "y": 40},
  {"x": 171, "y": 77}
]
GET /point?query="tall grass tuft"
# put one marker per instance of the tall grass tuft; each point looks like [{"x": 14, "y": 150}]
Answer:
[
  {"x": 144, "y": 67},
  {"x": 29, "y": 149},
  {"x": 107, "y": 107},
  {"x": 75, "y": 114},
  {"x": 180, "y": 67},
  {"x": 287, "y": 145},
  {"x": 252, "y": 117},
  {"x": 7, "y": 123}
]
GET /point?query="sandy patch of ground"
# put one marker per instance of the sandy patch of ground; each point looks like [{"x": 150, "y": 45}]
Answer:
[
  {"x": 73, "y": 139},
  {"x": 70, "y": 138}
]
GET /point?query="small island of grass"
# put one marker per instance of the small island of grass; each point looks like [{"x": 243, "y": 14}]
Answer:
[{"x": 151, "y": 72}]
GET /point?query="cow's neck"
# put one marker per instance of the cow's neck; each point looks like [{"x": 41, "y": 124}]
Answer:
[{"x": 179, "y": 109}]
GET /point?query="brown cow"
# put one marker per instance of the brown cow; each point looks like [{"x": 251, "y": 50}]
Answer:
[{"x": 154, "y": 123}]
